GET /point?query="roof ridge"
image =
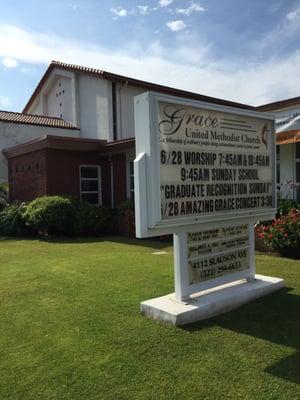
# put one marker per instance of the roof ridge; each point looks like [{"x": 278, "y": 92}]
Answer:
[
  {"x": 76, "y": 66},
  {"x": 133, "y": 81}
]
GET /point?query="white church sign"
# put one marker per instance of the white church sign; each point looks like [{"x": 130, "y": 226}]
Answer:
[{"x": 205, "y": 173}]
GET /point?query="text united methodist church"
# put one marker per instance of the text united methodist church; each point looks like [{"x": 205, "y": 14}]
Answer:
[{"x": 76, "y": 136}]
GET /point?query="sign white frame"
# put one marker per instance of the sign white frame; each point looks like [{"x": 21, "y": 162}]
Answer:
[{"x": 147, "y": 170}]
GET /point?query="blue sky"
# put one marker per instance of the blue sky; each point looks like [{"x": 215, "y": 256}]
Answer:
[{"x": 247, "y": 51}]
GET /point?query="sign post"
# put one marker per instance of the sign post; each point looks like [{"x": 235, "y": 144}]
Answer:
[
  {"x": 206, "y": 174},
  {"x": 180, "y": 266}
]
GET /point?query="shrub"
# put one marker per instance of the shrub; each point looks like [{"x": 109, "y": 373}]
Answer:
[
  {"x": 3, "y": 195},
  {"x": 283, "y": 234},
  {"x": 285, "y": 205},
  {"x": 51, "y": 215},
  {"x": 3, "y": 203},
  {"x": 57, "y": 215},
  {"x": 91, "y": 220},
  {"x": 127, "y": 218},
  {"x": 3, "y": 189},
  {"x": 12, "y": 220}
]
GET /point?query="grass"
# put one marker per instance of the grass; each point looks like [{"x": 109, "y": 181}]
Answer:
[{"x": 71, "y": 329}]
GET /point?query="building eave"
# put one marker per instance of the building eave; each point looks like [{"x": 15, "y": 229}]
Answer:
[
  {"x": 280, "y": 104},
  {"x": 120, "y": 145},
  {"x": 69, "y": 144},
  {"x": 55, "y": 142}
]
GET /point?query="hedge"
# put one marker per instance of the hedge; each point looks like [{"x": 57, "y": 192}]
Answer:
[{"x": 54, "y": 215}]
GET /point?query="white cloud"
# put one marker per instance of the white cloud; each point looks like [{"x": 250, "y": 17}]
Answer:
[
  {"x": 165, "y": 3},
  {"x": 193, "y": 8},
  {"x": 176, "y": 26},
  {"x": 190, "y": 65},
  {"x": 144, "y": 10},
  {"x": 294, "y": 15},
  {"x": 119, "y": 12},
  {"x": 10, "y": 62},
  {"x": 288, "y": 27}
]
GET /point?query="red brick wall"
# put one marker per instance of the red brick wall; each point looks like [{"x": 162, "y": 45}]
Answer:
[
  {"x": 119, "y": 178},
  {"x": 63, "y": 172},
  {"x": 27, "y": 176},
  {"x": 53, "y": 172},
  {"x": 106, "y": 181}
]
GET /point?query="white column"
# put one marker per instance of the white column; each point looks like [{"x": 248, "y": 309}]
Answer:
[{"x": 181, "y": 266}]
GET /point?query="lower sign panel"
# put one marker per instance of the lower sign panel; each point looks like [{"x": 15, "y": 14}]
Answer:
[{"x": 216, "y": 253}]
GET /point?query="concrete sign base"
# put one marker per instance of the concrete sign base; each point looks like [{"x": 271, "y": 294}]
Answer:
[{"x": 209, "y": 303}]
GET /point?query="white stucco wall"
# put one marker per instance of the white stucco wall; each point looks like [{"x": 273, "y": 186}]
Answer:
[
  {"x": 86, "y": 101},
  {"x": 59, "y": 99},
  {"x": 95, "y": 109},
  {"x": 95, "y": 105},
  {"x": 12, "y": 134},
  {"x": 125, "y": 109},
  {"x": 37, "y": 107}
]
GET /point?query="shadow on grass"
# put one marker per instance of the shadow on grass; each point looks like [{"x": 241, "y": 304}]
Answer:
[
  {"x": 152, "y": 243},
  {"x": 275, "y": 318},
  {"x": 113, "y": 239}
]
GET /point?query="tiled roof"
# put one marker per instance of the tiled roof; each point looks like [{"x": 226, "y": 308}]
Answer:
[
  {"x": 124, "y": 79},
  {"x": 21, "y": 118}
]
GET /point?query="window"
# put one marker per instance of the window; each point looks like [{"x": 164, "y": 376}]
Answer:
[
  {"x": 297, "y": 172},
  {"x": 90, "y": 188}
]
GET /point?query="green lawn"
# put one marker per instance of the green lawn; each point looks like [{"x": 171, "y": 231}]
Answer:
[{"x": 70, "y": 328}]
